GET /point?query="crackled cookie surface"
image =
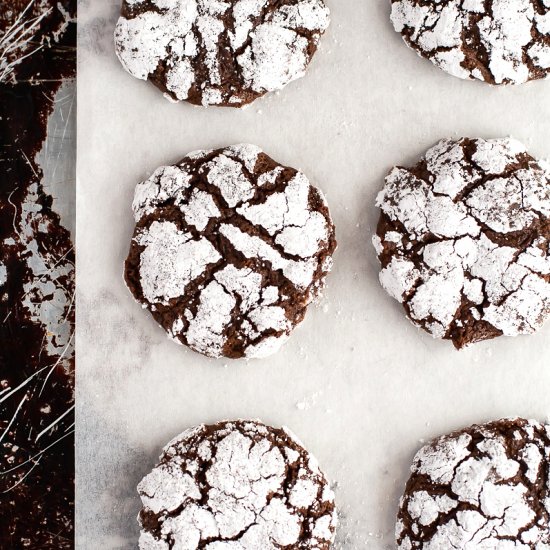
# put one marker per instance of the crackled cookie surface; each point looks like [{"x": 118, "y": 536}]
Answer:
[
  {"x": 215, "y": 52},
  {"x": 229, "y": 249},
  {"x": 482, "y": 488},
  {"x": 464, "y": 240},
  {"x": 496, "y": 41},
  {"x": 236, "y": 485}
]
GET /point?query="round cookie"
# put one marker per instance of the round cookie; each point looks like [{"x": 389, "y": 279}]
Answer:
[
  {"x": 229, "y": 249},
  {"x": 464, "y": 240},
  {"x": 236, "y": 485},
  {"x": 209, "y": 52},
  {"x": 482, "y": 488},
  {"x": 496, "y": 41}
]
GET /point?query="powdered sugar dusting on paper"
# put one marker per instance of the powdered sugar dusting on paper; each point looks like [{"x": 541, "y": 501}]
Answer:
[
  {"x": 257, "y": 246},
  {"x": 227, "y": 486},
  {"x": 271, "y": 45},
  {"x": 499, "y": 41},
  {"x": 457, "y": 228},
  {"x": 485, "y": 487}
]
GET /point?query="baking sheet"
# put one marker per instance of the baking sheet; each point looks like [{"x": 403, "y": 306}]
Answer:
[
  {"x": 359, "y": 385},
  {"x": 58, "y": 156},
  {"x": 36, "y": 332}
]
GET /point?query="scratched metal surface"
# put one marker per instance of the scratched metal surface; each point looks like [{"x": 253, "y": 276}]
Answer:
[
  {"x": 357, "y": 383},
  {"x": 36, "y": 363},
  {"x": 37, "y": 211},
  {"x": 58, "y": 156}
]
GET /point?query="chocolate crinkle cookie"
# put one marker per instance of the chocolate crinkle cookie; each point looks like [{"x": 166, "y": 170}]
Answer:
[
  {"x": 229, "y": 249},
  {"x": 464, "y": 240},
  {"x": 236, "y": 485},
  {"x": 211, "y": 52},
  {"x": 496, "y": 41},
  {"x": 482, "y": 488}
]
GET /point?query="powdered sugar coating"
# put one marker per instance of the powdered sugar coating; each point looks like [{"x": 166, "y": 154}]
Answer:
[
  {"x": 171, "y": 260},
  {"x": 214, "y": 52},
  {"x": 486, "y": 487},
  {"x": 497, "y": 41},
  {"x": 229, "y": 250},
  {"x": 236, "y": 485},
  {"x": 464, "y": 240}
]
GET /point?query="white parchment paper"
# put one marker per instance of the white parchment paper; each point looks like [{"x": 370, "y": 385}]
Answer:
[{"x": 358, "y": 384}]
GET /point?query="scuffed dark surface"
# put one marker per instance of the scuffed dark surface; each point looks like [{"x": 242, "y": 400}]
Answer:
[{"x": 36, "y": 290}]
